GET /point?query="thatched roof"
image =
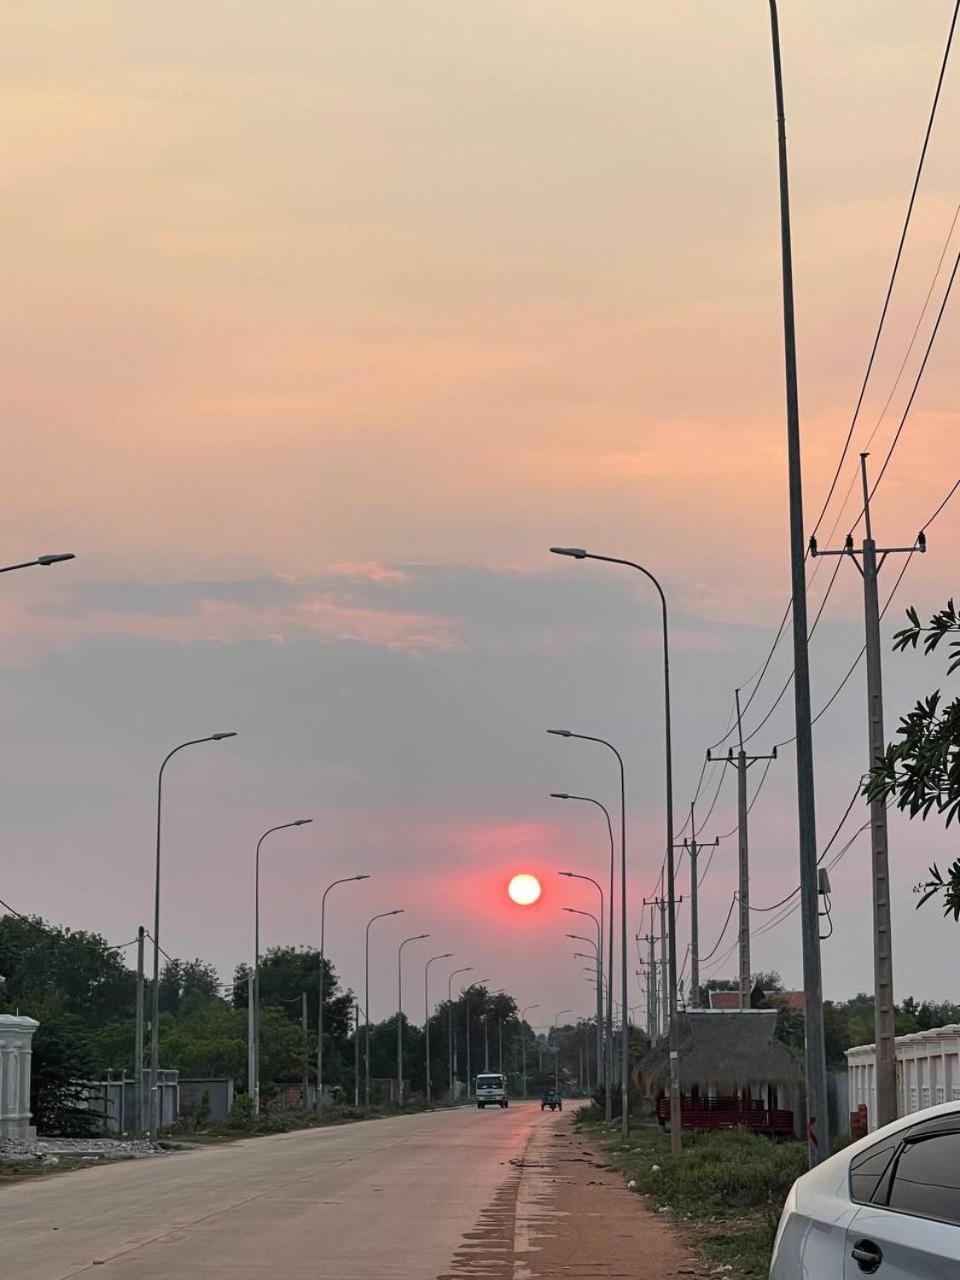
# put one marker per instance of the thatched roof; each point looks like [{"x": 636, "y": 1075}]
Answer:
[{"x": 725, "y": 1050}]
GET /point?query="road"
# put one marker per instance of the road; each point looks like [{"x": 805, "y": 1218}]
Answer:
[
  {"x": 449, "y": 1195},
  {"x": 410, "y": 1198}
]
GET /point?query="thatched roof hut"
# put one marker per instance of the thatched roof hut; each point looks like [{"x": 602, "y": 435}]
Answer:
[{"x": 723, "y": 1052}]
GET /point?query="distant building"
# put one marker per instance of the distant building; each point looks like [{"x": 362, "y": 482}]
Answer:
[
  {"x": 928, "y": 1071},
  {"x": 731, "y": 999}
]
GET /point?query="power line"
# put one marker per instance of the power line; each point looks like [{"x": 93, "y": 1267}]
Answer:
[
  {"x": 896, "y": 267},
  {"x": 726, "y": 925}
]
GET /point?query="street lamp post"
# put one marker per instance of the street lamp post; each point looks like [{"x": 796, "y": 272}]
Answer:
[
  {"x": 464, "y": 993},
  {"x": 523, "y": 1043},
  {"x": 323, "y": 917},
  {"x": 466, "y": 969},
  {"x": 556, "y": 1050},
  {"x": 675, "y": 1137},
  {"x": 417, "y": 937},
  {"x": 156, "y": 1116},
  {"x": 366, "y": 1012},
  {"x": 426, "y": 1013},
  {"x": 41, "y": 560},
  {"x": 590, "y": 916},
  {"x": 625, "y": 1056},
  {"x": 299, "y": 822},
  {"x": 608, "y": 1073}
]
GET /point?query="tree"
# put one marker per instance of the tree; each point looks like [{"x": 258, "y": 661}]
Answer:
[
  {"x": 921, "y": 771},
  {"x": 61, "y": 1060},
  {"x": 183, "y": 978}
]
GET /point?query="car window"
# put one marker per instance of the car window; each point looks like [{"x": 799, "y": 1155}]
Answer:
[
  {"x": 867, "y": 1169},
  {"x": 926, "y": 1181}
]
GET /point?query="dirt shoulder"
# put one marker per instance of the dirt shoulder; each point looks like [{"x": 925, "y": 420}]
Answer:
[{"x": 576, "y": 1218}]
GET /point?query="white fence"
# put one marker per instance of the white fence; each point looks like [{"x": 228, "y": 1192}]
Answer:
[
  {"x": 928, "y": 1071},
  {"x": 16, "y": 1035}
]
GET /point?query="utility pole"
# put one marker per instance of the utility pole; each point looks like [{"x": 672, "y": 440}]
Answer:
[
  {"x": 653, "y": 1024},
  {"x": 742, "y": 763},
  {"x": 693, "y": 849},
  {"x": 138, "y": 1038},
  {"x": 251, "y": 1037},
  {"x": 884, "y": 1028},
  {"x": 356, "y": 1054},
  {"x": 306, "y": 1059},
  {"x": 818, "y": 1138}
]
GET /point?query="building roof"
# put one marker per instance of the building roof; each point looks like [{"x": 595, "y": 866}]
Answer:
[
  {"x": 731, "y": 999},
  {"x": 949, "y": 1031},
  {"x": 725, "y": 1050}
]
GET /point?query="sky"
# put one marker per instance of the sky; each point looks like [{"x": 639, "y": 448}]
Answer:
[{"x": 320, "y": 324}]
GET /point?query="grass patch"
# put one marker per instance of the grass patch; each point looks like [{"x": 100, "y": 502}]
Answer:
[{"x": 725, "y": 1192}]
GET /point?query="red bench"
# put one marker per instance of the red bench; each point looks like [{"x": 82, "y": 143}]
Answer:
[{"x": 728, "y": 1113}]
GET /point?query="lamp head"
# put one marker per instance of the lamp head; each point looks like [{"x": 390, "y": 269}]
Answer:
[
  {"x": 577, "y": 553},
  {"x": 219, "y": 737},
  {"x": 360, "y": 877},
  {"x": 56, "y": 559},
  {"x": 301, "y": 822},
  {"x": 397, "y": 912},
  {"x": 559, "y": 795},
  {"x": 561, "y": 733}
]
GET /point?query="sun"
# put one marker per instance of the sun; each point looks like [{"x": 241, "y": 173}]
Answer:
[{"x": 524, "y": 889}]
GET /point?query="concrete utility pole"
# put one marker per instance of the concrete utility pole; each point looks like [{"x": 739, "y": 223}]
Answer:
[
  {"x": 418, "y": 937},
  {"x": 138, "y": 1037},
  {"x": 251, "y": 1046},
  {"x": 818, "y": 1138},
  {"x": 742, "y": 763},
  {"x": 356, "y": 1054},
  {"x": 653, "y": 1023},
  {"x": 661, "y": 905},
  {"x": 303, "y": 1019},
  {"x": 693, "y": 848},
  {"x": 882, "y": 940}
]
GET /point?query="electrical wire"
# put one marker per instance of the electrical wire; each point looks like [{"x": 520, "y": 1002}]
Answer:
[
  {"x": 896, "y": 266},
  {"x": 726, "y": 923},
  {"x": 61, "y": 938}
]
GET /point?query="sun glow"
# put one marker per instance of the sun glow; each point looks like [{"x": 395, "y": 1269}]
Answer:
[{"x": 524, "y": 889}]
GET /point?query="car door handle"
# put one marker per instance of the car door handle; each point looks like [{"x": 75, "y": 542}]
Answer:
[{"x": 867, "y": 1256}]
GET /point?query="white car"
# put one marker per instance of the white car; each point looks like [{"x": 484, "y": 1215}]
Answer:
[{"x": 888, "y": 1205}]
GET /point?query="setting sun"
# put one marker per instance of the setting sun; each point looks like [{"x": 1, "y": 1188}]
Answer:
[{"x": 524, "y": 889}]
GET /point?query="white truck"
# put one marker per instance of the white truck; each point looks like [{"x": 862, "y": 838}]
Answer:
[{"x": 491, "y": 1090}]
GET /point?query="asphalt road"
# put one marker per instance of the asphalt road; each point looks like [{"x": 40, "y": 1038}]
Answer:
[{"x": 429, "y": 1197}]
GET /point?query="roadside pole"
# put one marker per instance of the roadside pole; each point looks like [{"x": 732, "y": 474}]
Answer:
[
  {"x": 818, "y": 1137},
  {"x": 306, "y": 1057},
  {"x": 884, "y": 1028},
  {"x": 251, "y": 1037},
  {"x": 138, "y": 1039},
  {"x": 356, "y": 1054}
]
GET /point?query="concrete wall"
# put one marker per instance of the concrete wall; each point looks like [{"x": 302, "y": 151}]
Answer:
[
  {"x": 219, "y": 1090},
  {"x": 16, "y": 1035},
  {"x": 115, "y": 1101}
]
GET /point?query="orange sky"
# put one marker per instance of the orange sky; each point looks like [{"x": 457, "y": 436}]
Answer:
[{"x": 326, "y": 321}]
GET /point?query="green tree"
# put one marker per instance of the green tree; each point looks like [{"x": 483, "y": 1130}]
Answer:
[{"x": 921, "y": 771}]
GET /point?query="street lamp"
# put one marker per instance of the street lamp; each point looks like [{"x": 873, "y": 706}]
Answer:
[
  {"x": 578, "y": 553},
  {"x": 284, "y": 826},
  {"x": 608, "y": 1074},
  {"x": 599, "y": 927},
  {"x": 41, "y": 560},
  {"x": 366, "y": 1013},
  {"x": 463, "y": 993},
  {"x": 625, "y": 1058},
  {"x": 556, "y": 1051},
  {"x": 466, "y": 969},
  {"x": 416, "y": 938},
  {"x": 156, "y": 1115},
  {"x": 323, "y": 916},
  {"x": 523, "y": 1043},
  {"x": 426, "y": 1012}
]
